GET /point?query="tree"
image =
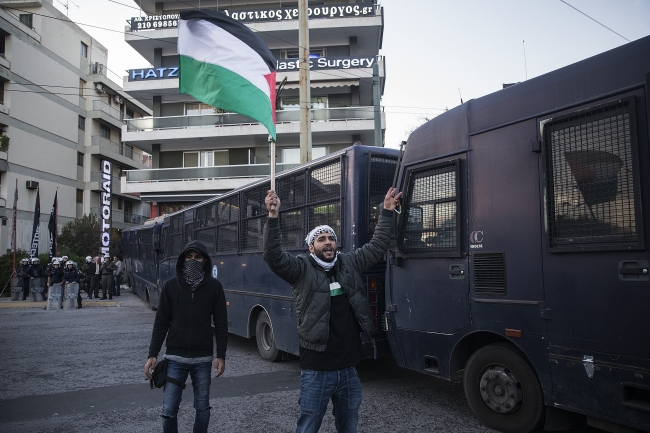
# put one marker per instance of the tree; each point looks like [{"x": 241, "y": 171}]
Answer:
[{"x": 81, "y": 237}]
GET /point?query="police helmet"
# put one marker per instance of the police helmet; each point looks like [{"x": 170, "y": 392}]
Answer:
[
  {"x": 35, "y": 260},
  {"x": 65, "y": 258},
  {"x": 69, "y": 262},
  {"x": 89, "y": 259},
  {"x": 56, "y": 261},
  {"x": 24, "y": 261},
  {"x": 107, "y": 256}
]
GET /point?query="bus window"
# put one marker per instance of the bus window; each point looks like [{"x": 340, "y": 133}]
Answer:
[{"x": 430, "y": 223}]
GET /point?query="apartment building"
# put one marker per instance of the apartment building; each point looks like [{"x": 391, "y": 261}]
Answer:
[
  {"x": 62, "y": 112},
  {"x": 198, "y": 151}
]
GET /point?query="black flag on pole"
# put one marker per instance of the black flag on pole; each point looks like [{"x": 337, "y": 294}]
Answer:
[
  {"x": 51, "y": 227},
  {"x": 33, "y": 252}
]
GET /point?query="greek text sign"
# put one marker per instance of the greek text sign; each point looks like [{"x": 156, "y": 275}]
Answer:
[{"x": 261, "y": 15}]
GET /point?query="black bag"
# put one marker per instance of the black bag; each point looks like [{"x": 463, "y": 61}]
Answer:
[{"x": 159, "y": 376}]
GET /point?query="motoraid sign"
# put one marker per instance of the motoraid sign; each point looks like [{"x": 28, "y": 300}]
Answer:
[
  {"x": 321, "y": 63},
  {"x": 155, "y": 22},
  {"x": 105, "y": 205}
]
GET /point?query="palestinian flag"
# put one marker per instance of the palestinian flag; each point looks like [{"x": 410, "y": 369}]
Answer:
[{"x": 224, "y": 64}]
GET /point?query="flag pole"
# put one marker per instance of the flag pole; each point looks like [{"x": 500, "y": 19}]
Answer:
[
  {"x": 272, "y": 164},
  {"x": 14, "y": 227}
]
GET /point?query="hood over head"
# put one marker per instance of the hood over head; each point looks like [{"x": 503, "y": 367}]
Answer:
[{"x": 200, "y": 247}]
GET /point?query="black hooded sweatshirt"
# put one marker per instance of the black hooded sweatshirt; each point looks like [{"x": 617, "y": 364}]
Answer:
[{"x": 185, "y": 316}]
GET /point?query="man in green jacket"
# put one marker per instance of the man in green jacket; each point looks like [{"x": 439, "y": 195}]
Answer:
[
  {"x": 107, "y": 277},
  {"x": 332, "y": 309}
]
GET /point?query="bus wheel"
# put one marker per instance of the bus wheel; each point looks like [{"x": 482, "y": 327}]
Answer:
[
  {"x": 265, "y": 338},
  {"x": 503, "y": 390}
]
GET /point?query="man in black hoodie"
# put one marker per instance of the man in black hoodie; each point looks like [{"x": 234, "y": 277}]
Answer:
[{"x": 188, "y": 306}]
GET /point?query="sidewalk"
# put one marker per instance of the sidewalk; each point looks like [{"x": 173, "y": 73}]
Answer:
[{"x": 126, "y": 299}]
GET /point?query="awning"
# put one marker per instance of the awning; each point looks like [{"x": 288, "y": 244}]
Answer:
[{"x": 318, "y": 84}]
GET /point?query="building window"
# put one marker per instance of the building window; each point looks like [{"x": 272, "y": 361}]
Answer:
[
  {"x": 197, "y": 109},
  {"x": 82, "y": 84},
  {"x": 221, "y": 157},
  {"x": 82, "y": 123},
  {"x": 190, "y": 159},
  {"x": 314, "y": 53},
  {"x": 104, "y": 131},
  {"x": 84, "y": 50},
  {"x": 291, "y": 155},
  {"x": 80, "y": 196},
  {"x": 293, "y": 103},
  {"x": 592, "y": 179},
  {"x": 26, "y": 19},
  {"x": 430, "y": 224},
  {"x": 120, "y": 203},
  {"x": 80, "y": 159}
]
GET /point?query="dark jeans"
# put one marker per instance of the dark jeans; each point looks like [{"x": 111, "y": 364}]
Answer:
[
  {"x": 316, "y": 389},
  {"x": 116, "y": 280},
  {"x": 94, "y": 285},
  {"x": 201, "y": 378}
]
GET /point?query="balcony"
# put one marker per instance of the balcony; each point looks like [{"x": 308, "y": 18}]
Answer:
[
  {"x": 107, "y": 114},
  {"x": 328, "y": 125},
  {"x": 119, "y": 152},
  {"x": 121, "y": 219},
  {"x": 96, "y": 180},
  {"x": 223, "y": 177},
  {"x": 105, "y": 75}
]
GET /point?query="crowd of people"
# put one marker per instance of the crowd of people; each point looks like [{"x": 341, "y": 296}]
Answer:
[{"x": 91, "y": 276}]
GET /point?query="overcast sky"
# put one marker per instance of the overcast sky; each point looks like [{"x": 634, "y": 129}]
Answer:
[{"x": 433, "y": 48}]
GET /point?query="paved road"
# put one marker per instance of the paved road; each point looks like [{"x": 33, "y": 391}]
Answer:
[{"x": 81, "y": 371}]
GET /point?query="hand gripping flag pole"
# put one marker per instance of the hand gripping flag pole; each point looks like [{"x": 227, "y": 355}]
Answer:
[{"x": 272, "y": 164}]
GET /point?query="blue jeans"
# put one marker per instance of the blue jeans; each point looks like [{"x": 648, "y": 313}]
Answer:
[
  {"x": 116, "y": 280},
  {"x": 201, "y": 377},
  {"x": 316, "y": 389}
]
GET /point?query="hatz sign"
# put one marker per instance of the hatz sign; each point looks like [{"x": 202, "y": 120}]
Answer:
[
  {"x": 154, "y": 22},
  {"x": 150, "y": 74}
]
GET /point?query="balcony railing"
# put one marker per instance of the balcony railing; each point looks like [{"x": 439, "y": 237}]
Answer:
[
  {"x": 111, "y": 146},
  {"x": 111, "y": 111},
  {"x": 232, "y": 119},
  {"x": 116, "y": 182},
  {"x": 203, "y": 173},
  {"x": 120, "y": 216},
  {"x": 100, "y": 69}
]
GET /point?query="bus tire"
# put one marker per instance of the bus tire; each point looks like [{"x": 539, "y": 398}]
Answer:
[
  {"x": 266, "y": 339},
  {"x": 503, "y": 390}
]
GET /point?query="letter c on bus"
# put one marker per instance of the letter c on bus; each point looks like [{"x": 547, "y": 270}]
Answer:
[{"x": 476, "y": 237}]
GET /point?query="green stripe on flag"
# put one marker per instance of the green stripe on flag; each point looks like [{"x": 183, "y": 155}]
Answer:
[{"x": 222, "y": 88}]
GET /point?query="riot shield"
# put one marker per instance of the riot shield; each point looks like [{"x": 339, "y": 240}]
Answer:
[
  {"x": 70, "y": 296},
  {"x": 37, "y": 289},
  {"x": 16, "y": 289},
  {"x": 55, "y": 296}
]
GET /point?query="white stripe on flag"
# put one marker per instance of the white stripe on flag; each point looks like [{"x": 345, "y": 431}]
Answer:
[{"x": 206, "y": 42}]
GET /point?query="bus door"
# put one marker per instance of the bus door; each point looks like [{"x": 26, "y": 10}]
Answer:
[
  {"x": 429, "y": 286},
  {"x": 596, "y": 263}
]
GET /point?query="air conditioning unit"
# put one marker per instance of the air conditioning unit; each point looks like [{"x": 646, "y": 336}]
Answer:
[
  {"x": 100, "y": 88},
  {"x": 117, "y": 99},
  {"x": 31, "y": 184}
]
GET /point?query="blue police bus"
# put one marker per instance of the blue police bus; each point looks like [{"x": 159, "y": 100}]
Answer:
[
  {"x": 343, "y": 190},
  {"x": 522, "y": 251}
]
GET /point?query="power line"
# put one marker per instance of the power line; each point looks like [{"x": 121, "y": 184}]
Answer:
[{"x": 594, "y": 20}]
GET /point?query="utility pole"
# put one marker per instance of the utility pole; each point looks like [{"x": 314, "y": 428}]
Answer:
[
  {"x": 376, "y": 96},
  {"x": 305, "y": 92}
]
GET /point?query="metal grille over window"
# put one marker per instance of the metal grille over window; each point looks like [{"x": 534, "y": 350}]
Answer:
[
  {"x": 382, "y": 171},
  {"x": 430, "y": 223},
  {"x": 324, "y": 198},
  {"x": 489, "y": 273},
  {"x": 591, "y": 172},
  {"x": 253, "y": 216},
  {"x": 176, "y": 236},
  {"x": 291, "y": 190},
  {"x": 228, "y": 215}
]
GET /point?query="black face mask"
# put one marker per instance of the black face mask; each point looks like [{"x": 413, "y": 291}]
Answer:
[{"x": 193, "y": 272}]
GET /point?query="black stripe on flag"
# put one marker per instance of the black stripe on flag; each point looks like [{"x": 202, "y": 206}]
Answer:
[{"x": 235, "y": 28}]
